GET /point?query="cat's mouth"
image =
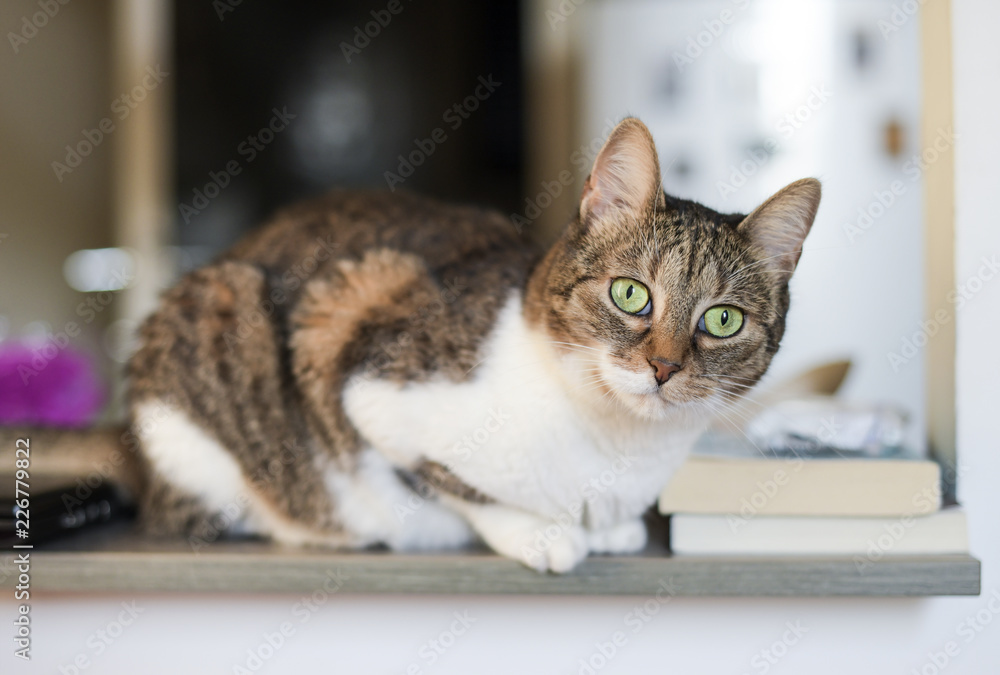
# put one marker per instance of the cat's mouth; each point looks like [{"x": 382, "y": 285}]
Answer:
[
  {"x": 639, "y": 393},
  {"x": 618, "y": 388}
]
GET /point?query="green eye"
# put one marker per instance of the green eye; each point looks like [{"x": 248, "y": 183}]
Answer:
[
  {"x": 722, "y": 321},
  {"x": 631, "y": 296}
]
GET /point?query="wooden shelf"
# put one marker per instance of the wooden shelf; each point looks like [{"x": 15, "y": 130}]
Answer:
[{"x": 119, "y": 561}]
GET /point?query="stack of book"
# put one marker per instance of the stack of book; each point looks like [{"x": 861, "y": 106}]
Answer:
[{"x": 733, "y": 499}]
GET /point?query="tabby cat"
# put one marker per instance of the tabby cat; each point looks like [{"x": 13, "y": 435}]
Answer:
[{"x": 374, "y": 368}]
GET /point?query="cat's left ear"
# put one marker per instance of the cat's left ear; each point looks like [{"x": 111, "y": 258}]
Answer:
[
  {"x": 625, "y": 177},
  {"x": 780, "y": 225}
]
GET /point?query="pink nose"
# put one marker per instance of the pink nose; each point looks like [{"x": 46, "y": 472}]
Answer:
[{"x": 664, "y": 369}]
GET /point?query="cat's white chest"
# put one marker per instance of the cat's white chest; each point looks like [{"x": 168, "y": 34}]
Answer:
[{"x": 515, "y": 432}]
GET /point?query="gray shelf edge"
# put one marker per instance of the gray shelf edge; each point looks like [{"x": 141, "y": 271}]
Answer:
[{"x": 480, "y": 573}]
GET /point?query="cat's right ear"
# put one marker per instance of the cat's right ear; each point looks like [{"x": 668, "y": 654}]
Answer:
[{"x": 625, "y": 179}]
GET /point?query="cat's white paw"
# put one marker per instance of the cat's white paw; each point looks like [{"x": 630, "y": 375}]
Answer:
[
  {"x": 541, "y": 544},
  {"x": 626, "y": 537},
  {"x": 567, "y": 550}
]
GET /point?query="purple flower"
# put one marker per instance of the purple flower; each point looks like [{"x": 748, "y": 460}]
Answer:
[{"x": 48, "y": 386}]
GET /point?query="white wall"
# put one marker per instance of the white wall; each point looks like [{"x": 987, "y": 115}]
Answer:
[
  {"x": 768, "y": 92},
  {"x": 549, "y": 635}
]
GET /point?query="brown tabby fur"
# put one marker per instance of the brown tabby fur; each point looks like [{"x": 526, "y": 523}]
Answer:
[{"x": 256, "y": 346}]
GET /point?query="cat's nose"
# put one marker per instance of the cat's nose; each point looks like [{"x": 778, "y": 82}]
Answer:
[{"x": 664, "y": 369}]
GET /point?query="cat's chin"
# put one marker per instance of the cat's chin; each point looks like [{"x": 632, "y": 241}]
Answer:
[{"x": 652, "y": 406}]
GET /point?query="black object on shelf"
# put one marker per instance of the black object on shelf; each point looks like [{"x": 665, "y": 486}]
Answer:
[{"x": 56, "y": 506}]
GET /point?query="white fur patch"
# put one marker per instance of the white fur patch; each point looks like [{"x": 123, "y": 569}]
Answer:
[
  {"x": 186, "y": 456},
  {"x": 377, "y": 507},
  {"x": 524, "y": 434}
]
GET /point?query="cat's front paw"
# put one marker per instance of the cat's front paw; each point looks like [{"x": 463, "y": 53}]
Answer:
[
  {"x": 566, "y": 550},
  {"x": 541, "y": 544},
  {"x": 626, "y": 537},
  {"x": 544, "y": 550}
]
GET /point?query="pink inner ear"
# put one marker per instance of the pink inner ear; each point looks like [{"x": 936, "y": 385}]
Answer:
[
  {"x": 592, "y": 200},
  {"x": 589, "y": 192}
]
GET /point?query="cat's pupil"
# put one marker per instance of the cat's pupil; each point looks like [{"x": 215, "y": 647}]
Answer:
[
  {"x": 628, "y": 293},
  {"x": 725, "y": 316}
]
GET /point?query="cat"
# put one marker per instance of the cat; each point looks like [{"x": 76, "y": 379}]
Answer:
[{"x": 375, "y": 368}]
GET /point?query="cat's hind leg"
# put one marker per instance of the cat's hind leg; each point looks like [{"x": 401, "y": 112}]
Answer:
[
  {"x": 218, "y": 423},
  {"x": 199, "y": 489}
]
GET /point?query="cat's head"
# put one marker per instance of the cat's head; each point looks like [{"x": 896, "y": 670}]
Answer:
[{"x": 658, "y": 304}]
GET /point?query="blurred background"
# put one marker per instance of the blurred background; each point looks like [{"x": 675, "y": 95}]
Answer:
[{"x": 144, "y": 138}]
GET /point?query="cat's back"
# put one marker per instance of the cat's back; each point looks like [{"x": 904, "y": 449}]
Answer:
[
  {"x": 309, "y": 236},
  {"x": 326, "y": 288},
  {"x": 249, "y": 352}
]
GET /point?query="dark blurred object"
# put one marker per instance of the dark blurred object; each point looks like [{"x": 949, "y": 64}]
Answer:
[
  {"x": 302, "y": 96},
  {"x": 861, "y": 43},
  {"x": 57, "y": 506},
  {"x": 895, "y": 141},
  {"x": 50, "y": 384}
]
